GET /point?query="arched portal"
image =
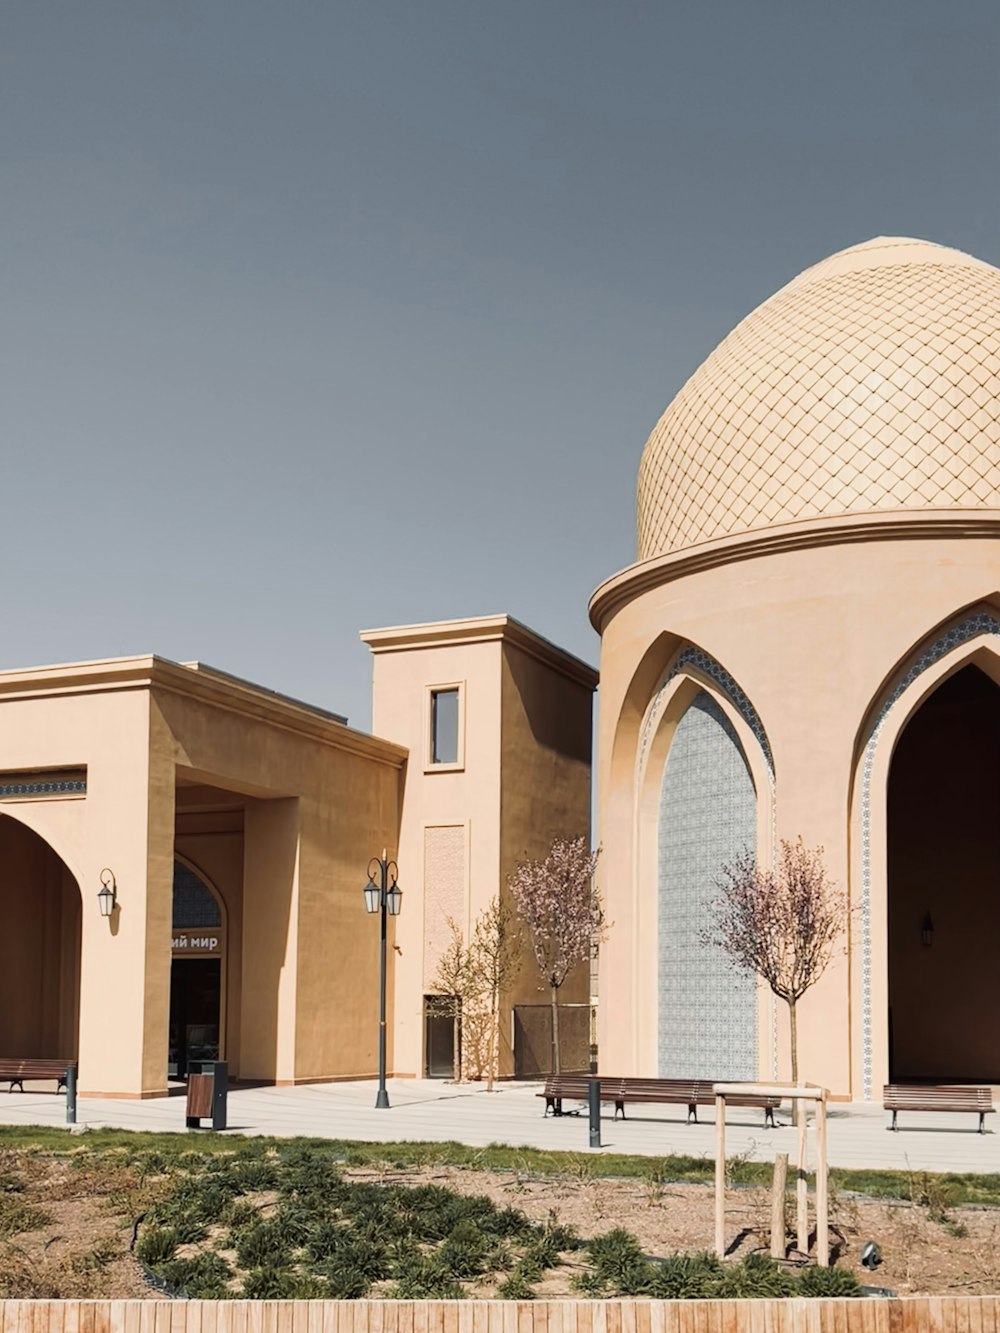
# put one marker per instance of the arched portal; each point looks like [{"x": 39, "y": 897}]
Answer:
[
  {"x": 197, "y": 972},
  {"x": 39, "y": 947},
  {"x": 944, "y": 886},
  {"x": 708, "y": 816}
]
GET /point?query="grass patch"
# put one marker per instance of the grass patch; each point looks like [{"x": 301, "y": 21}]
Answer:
[{"x": 247, "y": 1166}]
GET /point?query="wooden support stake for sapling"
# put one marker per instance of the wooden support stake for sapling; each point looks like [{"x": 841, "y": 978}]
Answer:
[
  {"x": 720, "y": 1176},
  {"x": 822, "y": 1196},
  {"x": 778, "y": 1184},
  {"x": 801, "y": 1184}
]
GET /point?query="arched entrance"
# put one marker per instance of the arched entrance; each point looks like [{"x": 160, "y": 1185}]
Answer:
[
  {"x": 39, "y": 947},
  {"x": 197, "y": 972},
  {"x": 944, "y": 886}
]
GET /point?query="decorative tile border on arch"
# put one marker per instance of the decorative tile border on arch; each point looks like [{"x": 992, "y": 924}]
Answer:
[
  {"x": 970, "y": 628},
  {"x": 708, "y": 666},
  {"x": 715, "y": 671}
]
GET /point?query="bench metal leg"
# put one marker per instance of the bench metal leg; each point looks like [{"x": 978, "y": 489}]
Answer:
[
  {"x": 692, "y": 1113},
  {"x": 982, "y": 1122},
  {"x": 769, "y": 1117},
  {"x": 894, "y": 1125},
  {"x": 19, "y": 1082},
  {"x": 70, "y": 1082},
  {"x": 619, "y": 1110}
]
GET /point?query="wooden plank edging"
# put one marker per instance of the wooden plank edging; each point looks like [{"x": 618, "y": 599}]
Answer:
[{"x": 910, "y": 1314}]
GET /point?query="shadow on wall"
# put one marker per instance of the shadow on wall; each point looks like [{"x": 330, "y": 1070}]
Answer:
[
  {"x": 39, "y": 948},
  {"x": 271, "y": 847},
  {"x": 557, "y": 712}
]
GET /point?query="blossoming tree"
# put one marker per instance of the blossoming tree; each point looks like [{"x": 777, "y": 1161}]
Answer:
[
  {"x": 560, "y": 905},
  {"x": 784, "y": 924}
]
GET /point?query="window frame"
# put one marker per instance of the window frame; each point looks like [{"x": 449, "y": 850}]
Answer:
[{"x": 442, "y": 687}]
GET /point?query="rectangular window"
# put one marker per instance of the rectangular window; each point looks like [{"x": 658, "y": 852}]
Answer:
[{"x": 444, "y": 726}]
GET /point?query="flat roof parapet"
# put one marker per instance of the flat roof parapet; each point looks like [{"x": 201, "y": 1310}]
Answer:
[{"x": 481, "y": 629}]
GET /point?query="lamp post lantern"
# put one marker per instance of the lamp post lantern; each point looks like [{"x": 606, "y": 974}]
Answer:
[{"x": 382, "y": 895}]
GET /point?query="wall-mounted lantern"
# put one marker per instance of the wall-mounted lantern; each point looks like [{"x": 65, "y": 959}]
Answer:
[
  {"x": 927, "y": 931},
  {"x": 107, "y": 895}
]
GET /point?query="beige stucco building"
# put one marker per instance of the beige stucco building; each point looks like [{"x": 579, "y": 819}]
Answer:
[
  {"x": 809, "y": 644},
  {"x": 236, "y": 825}
]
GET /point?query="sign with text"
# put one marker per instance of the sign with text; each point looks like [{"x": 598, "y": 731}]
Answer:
[{"x": 198, "y": 942}]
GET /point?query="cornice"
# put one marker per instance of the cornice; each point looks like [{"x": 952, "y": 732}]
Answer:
[
  {"x": 482, "y": 629},
  {"x": 204, "y": 684},
  {"x": 880, "y": 526}
]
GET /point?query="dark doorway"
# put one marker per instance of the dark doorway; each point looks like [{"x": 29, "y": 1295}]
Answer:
[
  {"x": 944, "y": 886},
  {"x": 439, "y": 1037},
  {"x": 195, "y": 1009},
  {"x": 39, "y": 947}
]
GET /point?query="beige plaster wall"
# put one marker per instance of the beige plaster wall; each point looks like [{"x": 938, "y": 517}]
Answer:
[
  {"x": 315, "y": 799},
  {"x": 812, "y": 635},
  {"x": 545, "y": 762},
  {"x": 119, "y": 977},
  {"x": 523, "y": 778},
  {"x": 304, "y": 1012},
  {"x": 466, "y": 798}
]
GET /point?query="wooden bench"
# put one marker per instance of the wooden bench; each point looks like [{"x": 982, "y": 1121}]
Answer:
[
  {"x": 912, "y": 1097},
  {"x": 688, "y": 1092},
  {"x": 17, "y": 1070}
]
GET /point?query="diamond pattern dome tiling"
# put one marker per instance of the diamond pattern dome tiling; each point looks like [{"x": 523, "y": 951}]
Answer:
[{"x": 870, "y": 382}]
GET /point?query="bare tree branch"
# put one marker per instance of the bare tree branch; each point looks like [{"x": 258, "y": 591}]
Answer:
[
  {"x": 560, "y": 904},
  {"x": 784, "y": 924}
]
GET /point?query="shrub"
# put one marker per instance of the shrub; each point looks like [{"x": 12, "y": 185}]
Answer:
[
  {"x": 515, "y": 1288},
  {"x": 253, "y": 1176},
  {"x": 346, "y": 1284},
  {"x": 241, "y": 1215},
  {"x": 156, "y": 1245},
  {"x": 17, "y": 1216},
  {"x": 421, "y": 1277},
  {"x": 685, "y": 1277},
  {"x": 589, "y": 1284},
  {"x": 274, "y": 1284},
  {"x": 337, "y": 1249},
  {"x": 202, "y": 1278},
  {"x": 620, "y": 1263},
  {"x": 463, "y": 1258},
  {"x": 827, "y": 1282},
  {"x": 262, "y": 1246},
  {"x": 757, "y": 1277}
]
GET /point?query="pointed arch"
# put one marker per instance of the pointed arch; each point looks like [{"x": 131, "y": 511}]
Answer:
[
  {"x": 971, "y": 637},
  {"x": 689, "y": 675}
]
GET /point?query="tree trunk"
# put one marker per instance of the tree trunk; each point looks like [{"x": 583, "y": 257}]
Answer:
[
  {"x": 798, "y": 1106},
  {"x": 491, "y": 1046},
  {"x": 793, "y": 1028},
  {"x": 555, "y": 1029}
]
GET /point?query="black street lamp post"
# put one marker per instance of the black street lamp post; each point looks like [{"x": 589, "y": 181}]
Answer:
[{"x": 383, "y": 895}]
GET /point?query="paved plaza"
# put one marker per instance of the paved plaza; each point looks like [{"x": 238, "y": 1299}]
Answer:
[{"x": 434, "y": 1111}]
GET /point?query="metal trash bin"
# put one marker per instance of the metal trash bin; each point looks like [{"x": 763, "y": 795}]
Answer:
[{"x": 207, "y": 1093}]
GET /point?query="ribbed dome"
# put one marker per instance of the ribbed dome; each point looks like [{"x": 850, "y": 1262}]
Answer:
[{"x": 871, "y": 382}]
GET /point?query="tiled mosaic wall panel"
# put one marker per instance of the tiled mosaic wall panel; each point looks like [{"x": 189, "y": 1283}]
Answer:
[
  {"x": 708, "y": 1012},
  {"x": 444, "y": 892}
]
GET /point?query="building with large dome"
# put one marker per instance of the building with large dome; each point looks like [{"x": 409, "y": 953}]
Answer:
[{"x": 809, "y": 645}]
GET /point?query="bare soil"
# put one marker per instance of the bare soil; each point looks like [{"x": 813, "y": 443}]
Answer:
[{"x": 82, "y": 1247}]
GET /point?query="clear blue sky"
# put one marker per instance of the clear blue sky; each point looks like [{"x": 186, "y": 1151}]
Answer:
[{"x": 321, "y": 316}]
